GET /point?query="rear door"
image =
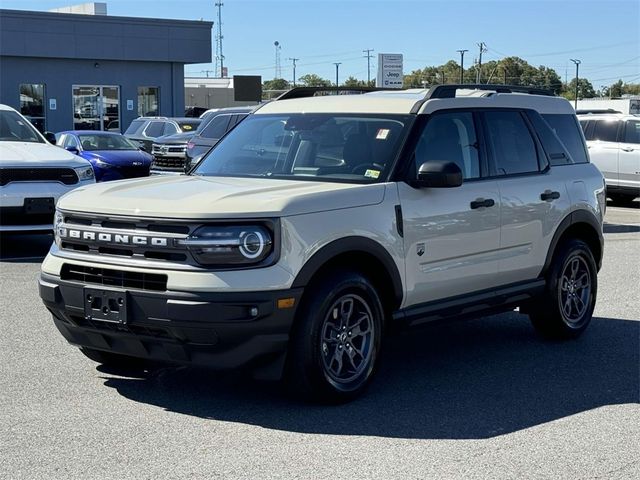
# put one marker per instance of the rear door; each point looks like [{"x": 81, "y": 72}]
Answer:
[
  {"x": 602, "y": 139},
  {"x": 451, "y": 235},
  {"x": 629, "y": 156},
  {"x": 533, "y": 196}
]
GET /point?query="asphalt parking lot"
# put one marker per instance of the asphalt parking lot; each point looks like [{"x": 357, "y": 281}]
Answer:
[{"x": 477, "y": 399}]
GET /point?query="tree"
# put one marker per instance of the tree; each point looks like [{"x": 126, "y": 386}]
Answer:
[
  {"x": 313, "y": 80},
  {"x": 616, "y": 89},
  {"x": 276, "y": 84},
  {"x": 585, "y": 89},
  {"x": 354, "y": 82}
]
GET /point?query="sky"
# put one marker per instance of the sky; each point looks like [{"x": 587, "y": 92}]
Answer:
[{"x": 603, "y": 34}]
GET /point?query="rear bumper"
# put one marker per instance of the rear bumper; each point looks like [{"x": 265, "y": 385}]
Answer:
[{"x": 216, "y": 330}]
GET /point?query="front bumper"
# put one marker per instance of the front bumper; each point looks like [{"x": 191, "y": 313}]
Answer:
[{"x": 216, "y": 330}]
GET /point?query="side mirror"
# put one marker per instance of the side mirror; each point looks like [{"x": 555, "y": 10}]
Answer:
[
  {"x": 50, "y": 137},
  {"x": 141, "y": 148},
  {"x": 73, "y": 150},
  {"x": 439, "y": 174}
]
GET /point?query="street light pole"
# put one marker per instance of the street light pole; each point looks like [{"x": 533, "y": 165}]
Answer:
[
  {"x": 461, "y": 52},
  {"x": 337, "y": 64},
  {"x": 577, "y": 62},
  {"x": 294, "y": 60}
]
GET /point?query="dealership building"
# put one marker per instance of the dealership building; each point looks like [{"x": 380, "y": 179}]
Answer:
[{"x": 93, "y": 71}]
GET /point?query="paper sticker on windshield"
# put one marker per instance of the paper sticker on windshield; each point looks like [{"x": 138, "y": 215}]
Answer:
[
  {"x": 382, "y": 134},
  {"x": 372, "y": 173}
]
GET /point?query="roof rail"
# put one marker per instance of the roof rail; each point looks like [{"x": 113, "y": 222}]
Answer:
[
  {"x": 303, "y": 92},
  {"x": 449, "y": 91}
]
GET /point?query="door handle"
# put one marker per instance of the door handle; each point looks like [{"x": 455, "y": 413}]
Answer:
[
  {"x": 548, "y": 195},
  {"x": 628, "y": 149},
  {"x": 481, "y": 202}
]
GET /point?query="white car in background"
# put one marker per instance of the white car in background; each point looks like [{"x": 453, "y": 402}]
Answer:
[
  {"x": 33, "y": 175},
  {"x": 614, "y": 147}
]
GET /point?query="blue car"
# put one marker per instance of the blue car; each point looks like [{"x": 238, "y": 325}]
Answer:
[{"x": 112, "y": 155}]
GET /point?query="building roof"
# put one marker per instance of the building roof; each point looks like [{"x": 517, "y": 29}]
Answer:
[{"x": 103, "y": 37}]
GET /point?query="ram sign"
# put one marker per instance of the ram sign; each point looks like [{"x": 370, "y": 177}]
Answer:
[{"x": 390, "y": 70}]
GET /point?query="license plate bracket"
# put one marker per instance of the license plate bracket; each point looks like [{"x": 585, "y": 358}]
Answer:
[
  {"x": 105, "y": 305},
  {"x": 38, "y": 206}
]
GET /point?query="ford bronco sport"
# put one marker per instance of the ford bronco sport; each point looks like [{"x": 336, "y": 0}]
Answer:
[{"x": 318, "y": 223}]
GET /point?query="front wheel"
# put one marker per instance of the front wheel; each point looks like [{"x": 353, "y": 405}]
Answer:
[
  {"x": 566, "y": 307},
  {"x": 336, "y": 339}
]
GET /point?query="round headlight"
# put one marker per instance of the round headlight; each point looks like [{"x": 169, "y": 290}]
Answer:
[{"x": 252, "y": 244}]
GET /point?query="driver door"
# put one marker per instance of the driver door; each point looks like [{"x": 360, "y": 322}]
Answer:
[{"x": 451, "y": 235}]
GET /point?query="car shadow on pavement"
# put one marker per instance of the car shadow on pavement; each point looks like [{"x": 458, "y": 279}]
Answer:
[
  {"x": 462, "y": 380},
  {"x": 24, "y": 247}
]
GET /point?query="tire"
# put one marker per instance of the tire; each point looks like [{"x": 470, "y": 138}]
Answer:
[
  {"x": 111, "y": 359},
  {"x": 335, "y": 343},
  {"x": 565, "y": 309}
]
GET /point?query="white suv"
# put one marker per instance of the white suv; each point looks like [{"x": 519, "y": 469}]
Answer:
[
  {"x": 318, "y": 223},
  {"x": 33, "y": 175},
  {"x": 614, "y": 147}
]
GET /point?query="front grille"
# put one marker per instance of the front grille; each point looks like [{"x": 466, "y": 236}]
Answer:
[
  {"x": 114, "y": 278},
  {"x": 67, "y": 176},
  {"x": 168, "y": 163},
  {"x": 19, "y": 216},
  {"x": 110, "y": 248}
]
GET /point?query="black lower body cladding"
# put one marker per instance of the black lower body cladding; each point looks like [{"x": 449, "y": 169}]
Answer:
[{"x": 216, "y": 330}]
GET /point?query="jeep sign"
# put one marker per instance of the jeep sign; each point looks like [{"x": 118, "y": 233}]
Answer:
[{"x": 390, "y": 70}]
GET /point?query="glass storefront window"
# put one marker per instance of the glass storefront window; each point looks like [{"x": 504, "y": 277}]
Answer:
[
  {"x": 148, "y": 101},
  {"x": 32, "y": 104}
]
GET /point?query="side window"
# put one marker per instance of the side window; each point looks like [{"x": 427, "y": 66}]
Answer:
[
  {"x": 632, "y": 132},
  {"x": 216, "y": 128},
  {"x": 154, "y": 129},
  {"x": 567, "y": 130},
  {"x": 70, "y": 141},
  {"x": 450, "y": 137},
  {"x": 511, "y": 145},
  {"x": 605, "y": 130},
  {"x": 170, "y": 129}
]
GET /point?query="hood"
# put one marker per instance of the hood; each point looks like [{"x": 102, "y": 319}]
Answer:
[
  {"x": 191, "y": 197},
  {"x": 182, "y": 137},
  {"x": 29, "y": 154},
  {"x": 121, "y": 158}
]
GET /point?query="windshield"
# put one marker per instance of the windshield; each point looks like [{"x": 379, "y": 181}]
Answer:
[
  {"x": 321, "y": 147},
  {"x": 14, "y": 128},
  {"x": 105, "y": 142}
]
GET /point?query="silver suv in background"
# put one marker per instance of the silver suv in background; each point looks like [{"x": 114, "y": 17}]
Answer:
[
  {"x": 614, "y": 147},
  {"x": 144, "y": 130}
]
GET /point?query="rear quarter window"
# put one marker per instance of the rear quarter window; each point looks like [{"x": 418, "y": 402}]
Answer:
[{"x": 567, "y": 129}]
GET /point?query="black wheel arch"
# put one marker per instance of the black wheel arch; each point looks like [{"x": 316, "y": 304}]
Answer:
[
  {"x": 363, "y": 254},
  {"x": 581, "y": 224}
]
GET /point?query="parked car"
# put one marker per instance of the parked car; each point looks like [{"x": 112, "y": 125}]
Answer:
[
  {"x": 112, "y": 155},
  {"x": 144, "y": 130},
  {"x": 319, "y": 224},
  {"x": 223, "y": 120},
  {"x": 33, "y": 174},
  {"x": 169, "y": 151},
  {"x": 194, "y": 111},
  {"x": 614, "y": 147}
]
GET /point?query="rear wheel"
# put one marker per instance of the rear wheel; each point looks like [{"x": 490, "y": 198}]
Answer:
[
  {"x": 336, "y": 339},
  {"x": 565, "y": 309}
]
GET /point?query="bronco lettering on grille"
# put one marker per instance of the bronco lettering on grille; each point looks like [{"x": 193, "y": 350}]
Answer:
[{"x": 104, "y": 237}]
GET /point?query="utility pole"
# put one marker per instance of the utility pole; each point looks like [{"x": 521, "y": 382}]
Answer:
[
  {"x": 577, "y": 62},
  {"x": 337, "y": 64},
  {"x": 294, "y": 60},
  {"x": 483, "y": 48},
  {"x": 368, "y": 57},
  {"x": 504, "y": 72},
  {"x": 442, "y": 76},
  {"x": 219, "y": 37},
  {"x": 461, "y": 52},
  {"x": 207, "y": 72}
]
